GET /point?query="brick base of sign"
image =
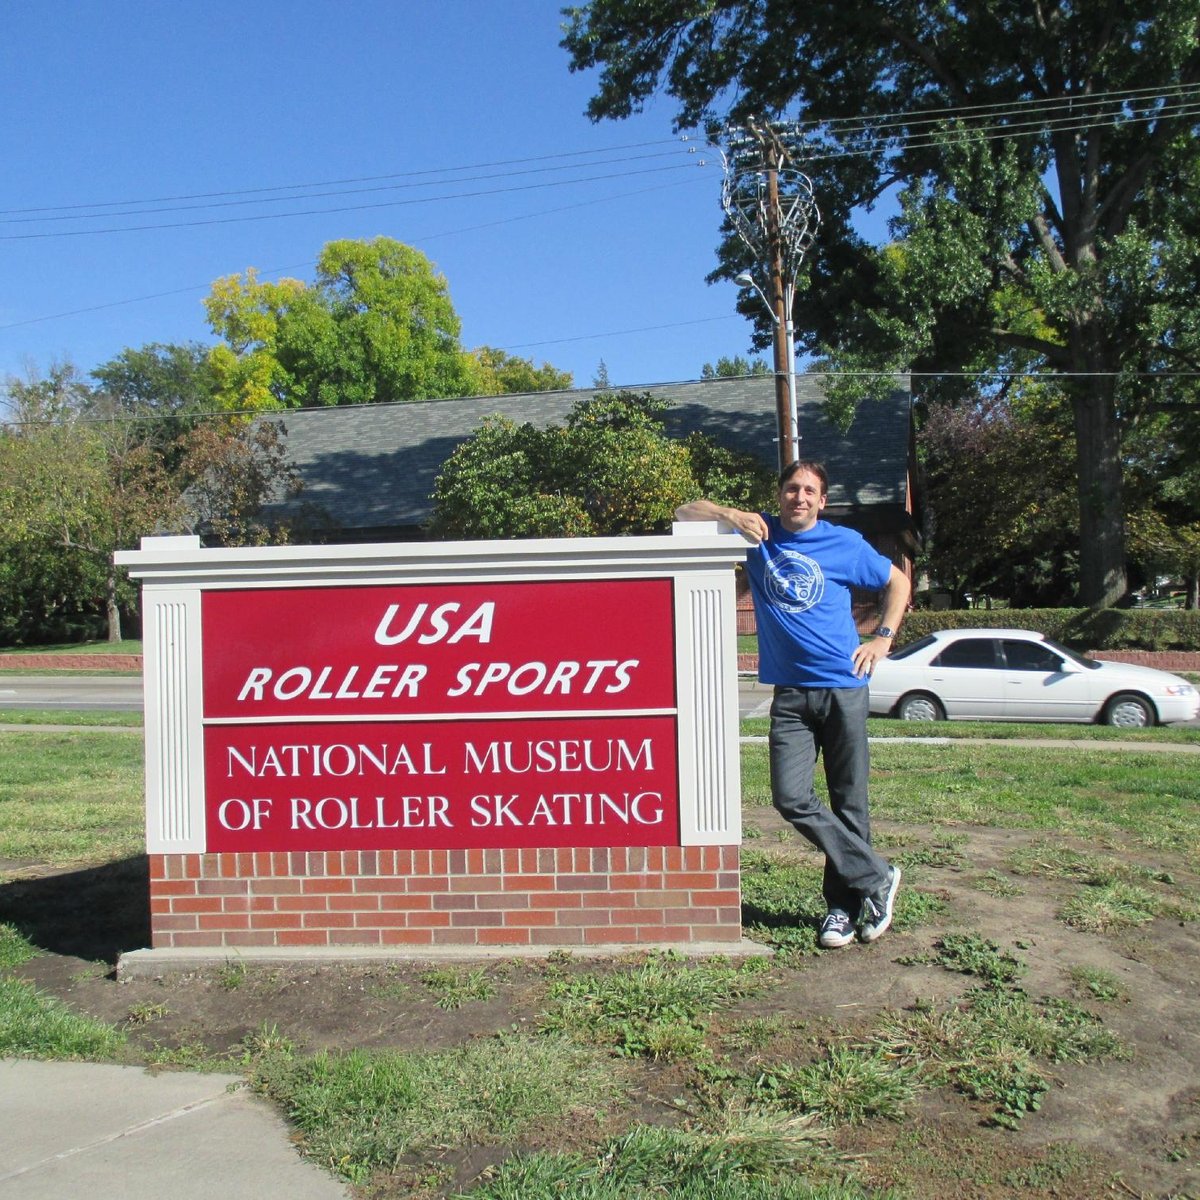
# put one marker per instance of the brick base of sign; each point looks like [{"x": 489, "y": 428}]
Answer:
[{"x": 447, "y": 898}]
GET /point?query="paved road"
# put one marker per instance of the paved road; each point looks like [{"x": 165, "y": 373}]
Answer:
[
  {"x": 111, "y": 692},
  {"x": 124, "y": 692}
]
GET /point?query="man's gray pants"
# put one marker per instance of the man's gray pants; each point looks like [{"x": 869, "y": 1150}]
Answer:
[{"x": 805, "y": 724}]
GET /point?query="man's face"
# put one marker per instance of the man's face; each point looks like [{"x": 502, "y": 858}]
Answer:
[{"x": 800, "y": 502}]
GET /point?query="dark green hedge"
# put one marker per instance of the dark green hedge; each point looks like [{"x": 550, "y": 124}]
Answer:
[{"x": 1079, "y": 628}]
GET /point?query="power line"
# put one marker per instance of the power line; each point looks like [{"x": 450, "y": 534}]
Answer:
[{"x": 339, "y": 182}]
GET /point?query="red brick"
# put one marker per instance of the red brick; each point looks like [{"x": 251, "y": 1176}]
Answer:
[
  {"x": 556, "y": 937},
  {"x": 717, "y": 896},
  {"x": 638, "y": 916},
  {"x": 663, "y": 899},
  {"x": 276, "y": 886},
  {"x": 428, "y": 920},
  {"x": 521, "y": 919},
  {"x": 301, "y": 904},
  {"x": 626, "y": 883},
  {"x": 196, "y": 904},
  {"x": 176, "y": 922},
  {"x": 364, "y": 903},
  {"x": 454, "y": 937},
  {"x": 301, "y": 937},
  {"x": 279, "y": 921},
  {"x": 612, "y": 934},
  {"x": 192, "y": 939},
  {"x": 692, "y": 879},
  {"x": 429, "y": 883},
  {"x": 475, "y": 883},
  {"x": 582, "y": 883},
  {"x": 326, "y": 920},
  {"x": 527, "y": 883},
  {"x": 408, "y": 903},
  {"x": 222, "y": 887},
  {"x": 563, "y": 900},
  {"x": 354, "y": 937},
  {"x": 172, "y": 887},
  {"x": 509, "y": 901},
  {"x": 504, "y": 937},
  {"x": 477, "y": 919},
  {"x": 454, "y": 903},
  {"x": 407, "y": 937},
  {"x": 327, "y": 887},
  {"x": 223, "y": 921},
  {"x": 587, "y": 916},
  {"x": 250, "y": 937}
]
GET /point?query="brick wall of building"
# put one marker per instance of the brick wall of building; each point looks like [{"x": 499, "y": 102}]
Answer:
[{"x": 546, "y": 897}]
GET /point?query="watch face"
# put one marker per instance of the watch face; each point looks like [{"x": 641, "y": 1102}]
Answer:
[{"x": 884, "y": 631}]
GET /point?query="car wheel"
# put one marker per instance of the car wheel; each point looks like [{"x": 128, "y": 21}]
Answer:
[
  {"x": 920, "y": 706},
  {"x": 1129, "y": 711}
]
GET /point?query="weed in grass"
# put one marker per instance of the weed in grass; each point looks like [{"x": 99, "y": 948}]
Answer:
[
  {"x": 38, "y": 1026},
  {"x": 453, "y": 987},
  {"x": 933, "y": 854},
  {"x": 767, "y": 1158},
  {"x": 850, "y": 1086},
  {"x": 974, "y": 955},
  {"x": 657, "y": 1009},
  {"x": 1004, "y": 1076},
  {"x": 987, "y": 1044},
  {"x": 757, "y": 1033},
  {"x": 361, "y": 1112},
  {"x": 1110, "y": 907},
  {"x": 1098, "y": 984},
  {"x": 1050, "y": 1169},
  {"x": 232, "y": 975},
  {"x": 187, "y": 1056},
  {"x": 143, "y": 1014},
  {"x": 992, "y": 883},
  {"x": 15, "y": 948}
]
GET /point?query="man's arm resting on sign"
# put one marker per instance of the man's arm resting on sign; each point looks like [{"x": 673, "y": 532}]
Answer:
[{"x": 749, "y": 524}]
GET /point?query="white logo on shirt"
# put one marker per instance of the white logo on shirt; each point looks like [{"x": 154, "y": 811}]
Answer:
[{"x": 794, "y": 582}]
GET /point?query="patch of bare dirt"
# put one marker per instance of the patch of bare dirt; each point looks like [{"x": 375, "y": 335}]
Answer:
[{"x": 1121, "y": 1128}]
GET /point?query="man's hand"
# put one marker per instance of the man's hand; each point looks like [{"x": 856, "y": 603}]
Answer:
[
  {"x": 749, "y": 524},
  {"x": 869, "y": 653}
]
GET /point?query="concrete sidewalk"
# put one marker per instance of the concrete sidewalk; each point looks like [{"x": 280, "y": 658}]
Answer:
[{"x": 106, "y": 1132}]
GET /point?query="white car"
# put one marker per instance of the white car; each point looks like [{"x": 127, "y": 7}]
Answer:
[{"x": 1017, "y": 675}]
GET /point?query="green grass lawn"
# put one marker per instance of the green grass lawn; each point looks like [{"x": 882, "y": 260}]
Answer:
[{"x": 762, "y": 1103}]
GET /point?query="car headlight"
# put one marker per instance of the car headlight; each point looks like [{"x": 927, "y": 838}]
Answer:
[{"x": 1180, "y": 689}]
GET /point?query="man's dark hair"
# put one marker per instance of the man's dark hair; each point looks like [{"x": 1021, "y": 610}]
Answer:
[{"x": 805, "y": 464}]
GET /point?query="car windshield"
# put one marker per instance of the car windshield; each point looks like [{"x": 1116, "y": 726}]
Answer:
[{"x": 1090, "y": 663}]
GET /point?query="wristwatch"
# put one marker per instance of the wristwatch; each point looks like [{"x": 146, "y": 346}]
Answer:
[{"x": 884, "y": 632}]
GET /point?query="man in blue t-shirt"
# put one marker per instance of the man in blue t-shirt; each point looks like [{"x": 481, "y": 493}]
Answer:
[{"x": 800, "y": 571}]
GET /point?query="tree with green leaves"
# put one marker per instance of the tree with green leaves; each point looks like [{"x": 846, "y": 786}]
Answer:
[
  {"x": 502, "y": 374},
  {"x": 1045, "y": 161},
  {"x": 376, "y": 326},
  {"x": 610, "y": 470},
  {"x": 76, "y": 483},
  {"x": 734, "y": 368}
]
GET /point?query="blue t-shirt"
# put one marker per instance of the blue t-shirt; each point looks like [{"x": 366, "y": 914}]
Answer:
[{"x": 801, "y": 585}]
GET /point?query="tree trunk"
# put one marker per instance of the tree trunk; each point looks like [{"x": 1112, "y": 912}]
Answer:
[
  {"x": 1191, "y": 596},
  {"x": 1102, "y": 577},
  {"x": 111, "y": 606}
]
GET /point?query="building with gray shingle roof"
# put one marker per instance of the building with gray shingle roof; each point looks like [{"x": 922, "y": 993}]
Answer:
[{"x": 372, "y": 468}]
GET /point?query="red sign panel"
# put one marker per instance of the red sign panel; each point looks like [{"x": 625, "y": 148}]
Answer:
[
  {"x": 437, "y": 785},
  {"x": 440, "y": 716},
  {"x": 442, "y": 649}
]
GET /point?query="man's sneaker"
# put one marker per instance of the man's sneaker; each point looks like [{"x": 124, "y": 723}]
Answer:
[
  {"x": 877, "y": 908},
  {"x": 836, "y": 930}
]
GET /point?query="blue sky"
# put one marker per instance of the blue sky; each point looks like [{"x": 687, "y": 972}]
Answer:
[{"x": 122, "y": 104}]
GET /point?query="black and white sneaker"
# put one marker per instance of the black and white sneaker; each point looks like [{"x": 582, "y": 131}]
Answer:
[
  {"x": 836, "y": 930},
  {"x": 877, "y": 908}
]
